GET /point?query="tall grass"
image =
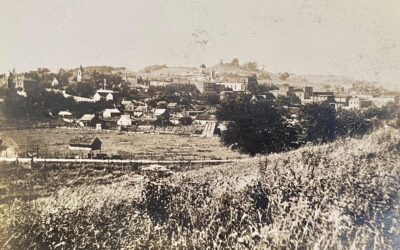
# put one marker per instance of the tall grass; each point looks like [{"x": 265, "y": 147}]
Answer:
[{"x": 343, "y": 195}]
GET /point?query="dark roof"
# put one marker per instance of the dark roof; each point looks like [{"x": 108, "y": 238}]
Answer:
[
  {"x": 111, "y": 119},
  {"x": 203, "y": 117},
  {"x": 83, "y": 141}
]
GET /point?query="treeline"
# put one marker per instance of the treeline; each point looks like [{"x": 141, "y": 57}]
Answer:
[
  {"x": 264, "y": 126},
  {"x": 41, "y": 104}
]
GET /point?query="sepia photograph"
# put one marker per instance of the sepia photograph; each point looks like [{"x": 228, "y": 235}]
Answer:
[{"x": 199, "y": 124}]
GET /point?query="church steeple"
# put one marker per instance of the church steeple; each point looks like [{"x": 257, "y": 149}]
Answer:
[{"x": 79, "y": 77}]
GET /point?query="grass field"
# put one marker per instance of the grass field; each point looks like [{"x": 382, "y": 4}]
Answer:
[
  {"x": 343, "y": 195},
  {"x": 54, "y": 143}
]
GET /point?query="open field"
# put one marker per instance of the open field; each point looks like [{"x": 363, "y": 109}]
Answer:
[
  {"x": 343, "y": 195},
  {"x": 54, "y": 143}
]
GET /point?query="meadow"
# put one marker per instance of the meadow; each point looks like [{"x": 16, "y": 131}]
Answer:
[
  {"x": 342, "y": 195},
  {"x": 54, "y": 143}
]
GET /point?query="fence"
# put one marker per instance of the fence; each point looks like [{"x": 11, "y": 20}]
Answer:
[
  {"x": 27, "y": 125},
  {"x": 53, "y": 160}
]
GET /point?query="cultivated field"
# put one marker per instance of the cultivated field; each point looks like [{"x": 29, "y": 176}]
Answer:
[
  {"x": 54, "y": 143},
  {"x": 343, "y": 195}
]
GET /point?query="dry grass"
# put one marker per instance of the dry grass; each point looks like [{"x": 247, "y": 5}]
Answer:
[
  {"x": 342, "y": 195},
  {"x": 138, "y": 146}
]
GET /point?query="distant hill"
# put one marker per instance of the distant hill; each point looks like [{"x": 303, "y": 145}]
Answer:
[
  {"x": 155, "y": 67},
  {"x": 100, "y": 69},
  {"x": 321, "y": 79},
  {"x": 227, "y": 68},
  {"x": 172, "y": 71}
]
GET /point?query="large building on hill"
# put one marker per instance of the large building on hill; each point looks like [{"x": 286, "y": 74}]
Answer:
[{"x": 359, "y": 103}]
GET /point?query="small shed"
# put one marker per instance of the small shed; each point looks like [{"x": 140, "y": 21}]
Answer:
[
  {"x": 88, "y": 120},
  {"x": 85, "y": 144}
]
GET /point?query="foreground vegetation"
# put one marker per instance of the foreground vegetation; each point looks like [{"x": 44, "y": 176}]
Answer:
[{"x": 340, "y": 195}]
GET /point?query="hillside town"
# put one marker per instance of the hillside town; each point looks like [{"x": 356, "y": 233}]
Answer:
[{"x": 178, "y": 99}]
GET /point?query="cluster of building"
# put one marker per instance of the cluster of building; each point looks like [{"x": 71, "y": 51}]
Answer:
[
  {"x": 138, "y": 114},
  {"x": 353, "y": 101}
]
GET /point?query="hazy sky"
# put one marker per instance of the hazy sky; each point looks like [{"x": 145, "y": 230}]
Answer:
[{"x": 359, "y": 38}]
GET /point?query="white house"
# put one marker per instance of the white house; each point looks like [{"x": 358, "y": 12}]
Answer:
[
  {"x": 65, "y": 114},
  {"x": 104, "y": 94},
  {"x": 235, "y": 86},
  {"x": 109, "y": 97},
  {"x": 108, "y": 113},
  {"x": 54, "y": 83},
  {"x": 125, "y": 120},
  {"x": 359, "y": 103}
]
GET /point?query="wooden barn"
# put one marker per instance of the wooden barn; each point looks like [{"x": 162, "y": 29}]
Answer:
[{"x": 85, "y": 144}]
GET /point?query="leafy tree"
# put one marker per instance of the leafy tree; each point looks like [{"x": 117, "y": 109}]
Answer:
[
  {"x": 318, "y": 122},
  {"x": 186, "y": 120},
  {"x": 253, "y": 86},
  {"x": 163, "y": 120},
  {"x": 254, "y": 127},
  {"x": 152, "y": 103},
  {"x": 85, "y": 89},
  {"x": 209, "y": 98},
  {"x": 15, "y": 106},
  {"x": 251, "y": 65},
  {"x": 351, "y": 123},
  {"x": 235, "y": 62},
  {"x": 155, "y": 67},
  {"x": 284, "y": 76}
]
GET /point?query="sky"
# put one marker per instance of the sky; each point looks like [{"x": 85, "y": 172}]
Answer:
[{"x": 358, "y": 38}]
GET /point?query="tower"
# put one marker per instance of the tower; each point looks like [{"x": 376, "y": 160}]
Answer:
[{"x": 79, "y": 77}]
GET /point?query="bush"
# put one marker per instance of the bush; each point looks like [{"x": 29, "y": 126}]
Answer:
[{"x": 254, "y": 127}]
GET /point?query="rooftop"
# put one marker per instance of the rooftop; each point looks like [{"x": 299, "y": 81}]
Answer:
[
  {"x": 87, "y": 117},
  {"x": 83, "y": 140},
  {"x": 159, "y": 112}
]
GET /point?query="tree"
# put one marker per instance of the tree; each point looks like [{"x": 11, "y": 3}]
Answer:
[
  {"x": 251, "y": 65},
  {"x": 84, "y": 89},
  {"x": 351, "y": 123},
  {"x": 318, "y": 122},
  {"x": 254, "y": 127},
  {"x": 284, "y": 76},
  {"x": 186, "y": 120},
  {"x": 209, "y": 98},
  {"x": 152, "y": 103},
  {"x": 15, "y": 106},
  {"x": 235, "y": 62},
  {"x": 253, "y": 86}
]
